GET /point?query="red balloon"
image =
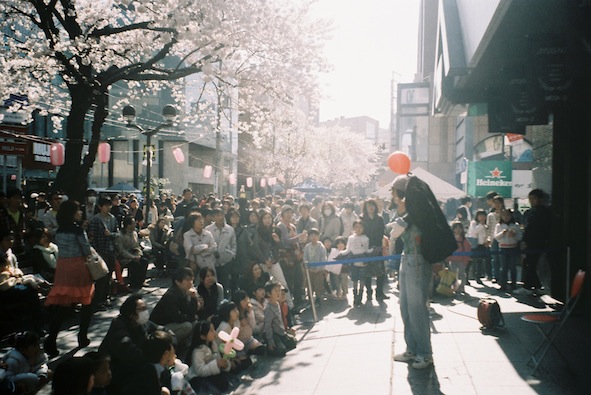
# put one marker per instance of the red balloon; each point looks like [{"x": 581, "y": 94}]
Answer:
[{"x": 399, "y": 162}]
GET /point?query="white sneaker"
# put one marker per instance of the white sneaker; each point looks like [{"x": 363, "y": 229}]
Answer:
[
  {"x": 522, "y": 291},
  {"x": 406, "y": 356},
  {"x": 422, "y": 362}
]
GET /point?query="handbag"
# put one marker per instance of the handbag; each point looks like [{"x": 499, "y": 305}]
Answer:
[{"x": 96, "y": 265}]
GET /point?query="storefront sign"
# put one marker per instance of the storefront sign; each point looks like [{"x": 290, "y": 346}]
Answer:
[
  {"x": 486, "y": 176},
  {"x": 13, "y": 149}
]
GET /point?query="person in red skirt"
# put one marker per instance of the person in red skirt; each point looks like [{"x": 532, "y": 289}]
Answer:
[{"x": 73, "y": 283}]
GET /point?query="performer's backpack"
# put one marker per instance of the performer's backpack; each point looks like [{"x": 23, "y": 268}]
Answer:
[{"x": 489, "y": 314}]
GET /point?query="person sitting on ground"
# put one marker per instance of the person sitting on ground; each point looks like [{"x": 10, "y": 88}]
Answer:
[
  {"x": 130, "y": 254},
  {"x": 178, "y": 308},
  {"x": 125, "y": 339},
  {"x": 247, "y": 323},
  {"x": 226, "y": 320},
  {"x": 27, "y": 364},
  {"x": 211, "y": 291},
  {"x": 279, "y": 342},
  {"x": 160, "y": 236},
  {"x": 74, "y": 376},
  {"x": 254, "y": 278},
  {"x": 153, "y": 376},
  {"x": 258, "y": 302},
  {"x": 44, "y": 254},
  {"x": 17, "y": 290},
  {"x": 208, "y": 368},
  {"x": 101, "y": 371}
]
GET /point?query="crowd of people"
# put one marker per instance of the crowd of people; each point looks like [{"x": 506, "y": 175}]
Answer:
[{"x": 233, "y": 263}]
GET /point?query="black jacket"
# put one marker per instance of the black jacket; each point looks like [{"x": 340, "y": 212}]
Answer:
[{"x": 174, "y": 307}]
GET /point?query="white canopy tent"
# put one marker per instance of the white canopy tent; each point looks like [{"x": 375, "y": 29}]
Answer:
[{"x": 441, "y": 189}]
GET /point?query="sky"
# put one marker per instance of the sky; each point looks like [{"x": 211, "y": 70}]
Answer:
[{"x": 372, "y": 39}]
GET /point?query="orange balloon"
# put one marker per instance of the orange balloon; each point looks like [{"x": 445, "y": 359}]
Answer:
[{"x": 399, "y": 162}]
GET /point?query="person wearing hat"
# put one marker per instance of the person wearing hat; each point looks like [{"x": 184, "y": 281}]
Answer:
[{"x": 415, "y": 282}]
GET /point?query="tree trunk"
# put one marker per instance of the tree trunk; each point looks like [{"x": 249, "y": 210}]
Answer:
[{"x": 72, "y": 178}]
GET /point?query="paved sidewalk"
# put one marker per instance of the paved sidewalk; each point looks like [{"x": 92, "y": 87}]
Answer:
[{"x": 349, "y": 351}]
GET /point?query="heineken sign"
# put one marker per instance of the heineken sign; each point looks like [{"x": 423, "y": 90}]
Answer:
[{"x": 486, "y": 176}]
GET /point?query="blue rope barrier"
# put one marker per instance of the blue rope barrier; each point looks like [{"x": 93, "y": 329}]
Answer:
[{"x": 349, "y": 261}]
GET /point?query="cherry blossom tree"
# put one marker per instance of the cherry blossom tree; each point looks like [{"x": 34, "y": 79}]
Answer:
[
  {"x": 296, "y": 150},
  {"x": 65, "y": 55}
]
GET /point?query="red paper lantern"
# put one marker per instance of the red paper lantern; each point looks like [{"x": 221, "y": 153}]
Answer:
[
  {"x": 399, "y": 162},
  {"x": 104, "y": 152},
  {"x": 57, "y": 154},
  {"x": 178, "y": 155}
]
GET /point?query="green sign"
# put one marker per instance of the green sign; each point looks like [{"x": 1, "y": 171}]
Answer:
[{"x": 485, "y": 176}]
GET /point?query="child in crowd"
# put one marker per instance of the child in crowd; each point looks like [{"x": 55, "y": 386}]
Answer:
[
  {"x": 101, "y": 371},
  {"x": 508, "y": 234},
  {"x": 477, "y": 232},
  {"x": 314, "y": 251},
  {"x": 340, "y": 271},
  {"x": 357, "y": 244},
  {"x": 247, "y": 323},
  {"x": 26, "y": 364},
  {"x": 228, "y": 319},
  {"x": 279, "y": 342},
  {"x": 258, "y": 302},
  {"x": 208, "y": 368},
  {"x": 285, "y": 312},
  {"x": 458, "y": 264}
]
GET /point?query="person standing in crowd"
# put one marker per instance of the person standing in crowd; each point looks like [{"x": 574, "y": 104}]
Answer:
[
  {"x": 187, "y": 205},
  {"x": 348, "y": 217},
  {"x": 198, "y": 244},
  {"x": 72, "y": 283},
  {"x": 508, "y": 234},
  {"x": 477, "y": 232},
  {"x": 375, "y": 230},
  {"x": 314, "y": 251},
  {"x": 244, "y": 244},
  {"x": 102, "y": 232},
  {"x": 90, "y": 208},
  {"x": 316, "y": 211},
  {"x": 291, "y": 262},
  {"x": 330, "y": 224},
  {"x": 357, "y": 245},
  {"x": 305, "y": 222},
  {"x": 458, "y": 264},
  {"x": 225, "y": 240},
  {"x": 536, "y": 237},
  {"x": 415, "y": 284},
  {"x": 49, "y": 218},
  {"x": 135, "y": 212},
  {"x": 492, "y": 219},
  {"x": 12, "y": 217},
  {"x": 119, "y": 210}
]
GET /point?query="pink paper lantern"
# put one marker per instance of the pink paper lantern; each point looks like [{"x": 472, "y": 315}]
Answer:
[
  {"x": 263, "y": 183},
  {"x": 57, "y": 154},
  {"x": 207, "y": 170},
  {"x": 249, "y": 182},
  {"x": 104, "y": 152},
  {"x": 178, "y": 155},
  {"x": 232, "y": 179}
]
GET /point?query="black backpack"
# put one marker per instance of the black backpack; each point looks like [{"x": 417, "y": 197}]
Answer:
[{"x": 438, "y": 241}]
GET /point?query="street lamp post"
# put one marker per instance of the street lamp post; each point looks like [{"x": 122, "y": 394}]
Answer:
[{"x": 168, "y": 113}]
